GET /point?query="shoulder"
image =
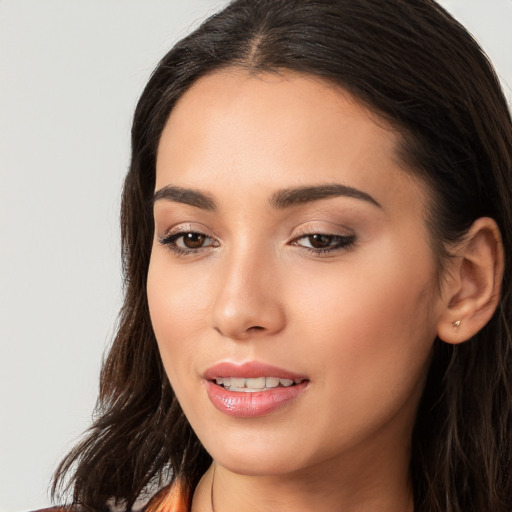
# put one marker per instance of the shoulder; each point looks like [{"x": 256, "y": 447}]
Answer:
[
  {"x": 71, "y": 508},
  {"x": 80, "y": 509},
  {"x": 172, "y": 498},
  {"x": 57, "y": 509}
]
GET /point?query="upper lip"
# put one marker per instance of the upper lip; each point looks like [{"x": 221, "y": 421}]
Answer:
[{"x": 252, "y": 369}]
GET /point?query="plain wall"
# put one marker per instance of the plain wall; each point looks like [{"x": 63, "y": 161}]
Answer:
[{"x": 70, "y": 74}]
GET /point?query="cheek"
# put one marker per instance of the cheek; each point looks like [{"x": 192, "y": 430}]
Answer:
[
  {"x": 177, "y": 305},
  {"x": 373, "y": 319},
  {"x": 368, "y": 334}
]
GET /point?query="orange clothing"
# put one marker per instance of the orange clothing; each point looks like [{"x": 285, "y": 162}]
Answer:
[{"x": 173, "y": 498}]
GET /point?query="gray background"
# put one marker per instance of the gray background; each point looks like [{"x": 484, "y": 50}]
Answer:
[{"x": 70, "y": 74}]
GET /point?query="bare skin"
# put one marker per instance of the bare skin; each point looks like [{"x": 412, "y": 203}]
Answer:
[{"x": 339, "y": 288}]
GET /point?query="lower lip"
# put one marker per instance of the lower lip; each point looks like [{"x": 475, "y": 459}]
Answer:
[{"x": 252, "y": 404}]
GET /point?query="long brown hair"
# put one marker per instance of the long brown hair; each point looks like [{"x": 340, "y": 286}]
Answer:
[{"x": 414, "y": 65}]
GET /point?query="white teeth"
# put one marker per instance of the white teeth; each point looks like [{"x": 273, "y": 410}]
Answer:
[
  {"x": 258, "y": 383},
  {"x": 237, "y": 382},
  {"x": 254, "y": 384},
  {"x": 272, "y": 382}
]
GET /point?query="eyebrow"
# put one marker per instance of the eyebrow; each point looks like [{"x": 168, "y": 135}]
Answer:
[
  {"x": 293, "y": 196},
  {"x": 185, "y": 196},
  {"x": 280, "y": 200}
]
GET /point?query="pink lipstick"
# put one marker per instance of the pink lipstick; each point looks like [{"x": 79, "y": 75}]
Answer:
[{"x": 252, "y": 389}]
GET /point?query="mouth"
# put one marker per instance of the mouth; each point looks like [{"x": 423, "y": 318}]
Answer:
[
  {"x": 252, "y": 389},
  {"x": 255, "y": 384}
]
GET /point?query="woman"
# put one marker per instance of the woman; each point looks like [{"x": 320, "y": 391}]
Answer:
[{"x": 317, "y": 229}]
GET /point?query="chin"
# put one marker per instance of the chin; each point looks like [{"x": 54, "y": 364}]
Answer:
[{"x": 257, "y": 458}]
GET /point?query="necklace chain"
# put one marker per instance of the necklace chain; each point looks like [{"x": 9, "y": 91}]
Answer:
[
  {"x": 212, "y": 504},
  {"x": 211, "y": 490}
]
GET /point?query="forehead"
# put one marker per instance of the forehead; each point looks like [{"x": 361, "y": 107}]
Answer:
[
  {"x": 245, "y": 131},
  {"x": 295, "y": 105}
]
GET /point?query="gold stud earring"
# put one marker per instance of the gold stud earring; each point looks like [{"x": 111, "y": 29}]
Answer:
[{"x": 456, "y": 324}]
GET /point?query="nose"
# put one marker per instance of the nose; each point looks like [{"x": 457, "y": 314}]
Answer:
[{"x": 248, "y": 300}]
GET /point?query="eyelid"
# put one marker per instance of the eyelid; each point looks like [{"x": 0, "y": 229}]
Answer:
[
  {"x": 342, "y": 243},
  {"x": 322, "y": 228},
  {"x": 187, "y": 227},
  {"x": 345, "y": 240}
]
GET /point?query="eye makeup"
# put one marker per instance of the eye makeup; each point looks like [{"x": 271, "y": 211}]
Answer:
[
  {"x": 187, "y": 240},
  {"x": 323, "y": 243},
  {"x": 183, "y": 242}
]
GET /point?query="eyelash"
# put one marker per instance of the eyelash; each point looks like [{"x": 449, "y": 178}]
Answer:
[
  {"x": 343, "y": 242},
  {"x": 169, "y": 240}
]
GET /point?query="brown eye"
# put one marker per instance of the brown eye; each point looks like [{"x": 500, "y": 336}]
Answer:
[
  {"x": 321, "y": 241},
  {"x": 193, "y": 240},
  {"x": 324, "y": 243},
  {"x": 188, "y": 242}
]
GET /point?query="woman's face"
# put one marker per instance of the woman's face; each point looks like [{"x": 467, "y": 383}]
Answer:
[{"x": 290, "y": 246}]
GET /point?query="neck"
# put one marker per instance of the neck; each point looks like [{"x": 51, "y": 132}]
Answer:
[{"x": 326, "y": 487}]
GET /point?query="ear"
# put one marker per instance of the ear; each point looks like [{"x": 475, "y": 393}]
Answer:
[{"x": 471, "y": 290}]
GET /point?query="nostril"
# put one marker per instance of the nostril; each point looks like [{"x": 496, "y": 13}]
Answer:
[{"x": 256, "y": 328}]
